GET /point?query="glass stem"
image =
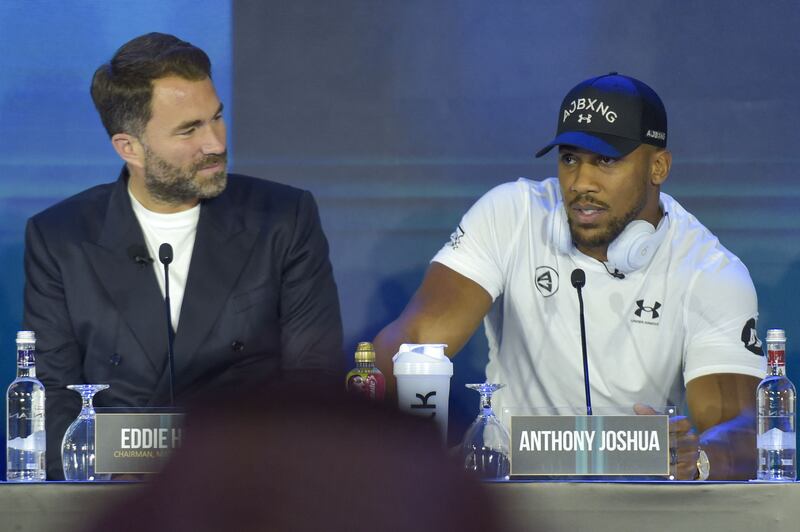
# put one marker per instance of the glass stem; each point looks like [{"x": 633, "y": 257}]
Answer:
[
  {"x": 486, "y": 402},
  {"x": 87, "y": 407}
]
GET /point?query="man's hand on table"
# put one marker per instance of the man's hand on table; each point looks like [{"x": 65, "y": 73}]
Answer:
[{"x": 687, "y": 444}]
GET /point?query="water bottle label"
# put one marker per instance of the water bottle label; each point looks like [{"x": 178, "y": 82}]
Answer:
[
  {"x": 37, "y": 406},
  {"x": 776, "y": 357},
  {"x": 776, "y": 440}
]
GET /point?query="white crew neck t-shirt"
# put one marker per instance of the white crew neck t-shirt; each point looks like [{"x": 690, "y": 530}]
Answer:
[
  {"x": 690, "y": 312},
  {"x": 179, "y": 230}
]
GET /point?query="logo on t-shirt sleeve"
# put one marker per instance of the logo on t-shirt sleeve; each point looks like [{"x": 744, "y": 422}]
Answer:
[
  {"x": 750, "y": 338},
  {"x": 455, "y": 238}
]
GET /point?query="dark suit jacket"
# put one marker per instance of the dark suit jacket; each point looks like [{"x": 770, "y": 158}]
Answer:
[{"x": 260, "y": 299}]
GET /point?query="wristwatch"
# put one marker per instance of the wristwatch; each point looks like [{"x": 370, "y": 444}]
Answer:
[{"x": 703, "y": 465}]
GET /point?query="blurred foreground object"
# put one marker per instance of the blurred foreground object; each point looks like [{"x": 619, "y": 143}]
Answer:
[{"x": 283, "y": 460}]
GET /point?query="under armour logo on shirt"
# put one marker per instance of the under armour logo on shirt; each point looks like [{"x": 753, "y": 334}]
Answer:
[{"x": 652, "y": 310}]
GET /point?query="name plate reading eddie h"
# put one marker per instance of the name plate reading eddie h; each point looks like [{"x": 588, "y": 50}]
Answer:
[
  {"x": 135, "y": 442},
  {"x": 590, "y": 445}
]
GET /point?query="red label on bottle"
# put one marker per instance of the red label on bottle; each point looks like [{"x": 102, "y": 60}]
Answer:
[
  {"x": 366, "y": 384},
  {"x": 776, "y": 357}
]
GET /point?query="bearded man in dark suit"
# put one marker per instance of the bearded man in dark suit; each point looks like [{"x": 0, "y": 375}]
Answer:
[{"x": 252, "y": 293}]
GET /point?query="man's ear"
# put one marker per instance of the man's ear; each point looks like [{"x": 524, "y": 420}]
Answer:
[
  {"x": 129, "y": 149},
  {"x": 659, "y": 166}
]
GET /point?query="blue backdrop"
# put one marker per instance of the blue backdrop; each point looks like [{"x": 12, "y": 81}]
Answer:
[{"x": 399, "y": 115}]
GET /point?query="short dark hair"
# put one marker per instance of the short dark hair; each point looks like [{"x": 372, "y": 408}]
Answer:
[{"x": 123, "y": 87}]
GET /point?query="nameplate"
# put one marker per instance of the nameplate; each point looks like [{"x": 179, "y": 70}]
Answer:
[
  {"x": 590, "y": 445},
  {"x": 136, "y": 442}
]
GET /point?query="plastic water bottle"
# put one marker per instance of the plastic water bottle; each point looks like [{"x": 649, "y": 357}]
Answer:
[
  {"x": 25, "y": 434},
  {"x": 777, "y": 443}
]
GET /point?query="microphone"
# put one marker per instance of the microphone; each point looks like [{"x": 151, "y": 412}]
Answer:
[
  {"x": 165, "y": 256},
  {"x": 578, "y": 280},
  {"x": 139, "y": 255}
]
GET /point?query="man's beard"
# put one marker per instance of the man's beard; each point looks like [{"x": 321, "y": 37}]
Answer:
[
  {"x": 175, "y": 185},
  {"x": 613, "y": 229}
]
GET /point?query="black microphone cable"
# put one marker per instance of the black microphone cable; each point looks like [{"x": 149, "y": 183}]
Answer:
[
  {"x": 616, "y": 273},
  {"x": 578, "y": 280}
]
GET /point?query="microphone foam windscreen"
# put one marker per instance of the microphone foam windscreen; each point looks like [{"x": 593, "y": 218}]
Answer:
[
  {"x": 165, "y": 253},
  {"x": 578, "y": 278}
]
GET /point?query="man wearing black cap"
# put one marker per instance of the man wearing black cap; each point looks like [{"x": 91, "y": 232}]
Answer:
[{"x": 670, "y": 313}]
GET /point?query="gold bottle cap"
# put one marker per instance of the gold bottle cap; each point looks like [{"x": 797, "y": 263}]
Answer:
[{"x": 365, "y": 352}]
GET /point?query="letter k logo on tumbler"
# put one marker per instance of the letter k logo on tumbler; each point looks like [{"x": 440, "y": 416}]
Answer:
[{"x": 423, "y": 374}]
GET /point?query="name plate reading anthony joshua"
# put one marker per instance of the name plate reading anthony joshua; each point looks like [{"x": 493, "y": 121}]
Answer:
[
  {"x": 590, "y": 445},
  {"x": 140, "y": 441}
]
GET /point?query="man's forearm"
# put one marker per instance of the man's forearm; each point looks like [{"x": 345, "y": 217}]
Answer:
[{"x": 386, "y": 344}]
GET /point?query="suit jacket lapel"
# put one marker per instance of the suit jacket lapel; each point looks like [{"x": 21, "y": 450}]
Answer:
[
  {"x": 221, "y": 249},
  {"x": 132, "y": 287}
]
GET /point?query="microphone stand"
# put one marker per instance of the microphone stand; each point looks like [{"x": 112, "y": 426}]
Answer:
[
  {"x": 165, "y": 256},
  {"x": 578, "y": 280}
]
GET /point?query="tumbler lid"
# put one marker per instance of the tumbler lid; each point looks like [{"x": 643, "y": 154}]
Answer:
[{"x": 422, "y": 359}]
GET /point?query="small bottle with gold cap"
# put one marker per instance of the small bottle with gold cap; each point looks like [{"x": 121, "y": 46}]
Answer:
[{"x": 366, "y": 380}]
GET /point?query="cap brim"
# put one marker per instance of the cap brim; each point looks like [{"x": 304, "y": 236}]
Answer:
[{"x": 608, "y": 145}]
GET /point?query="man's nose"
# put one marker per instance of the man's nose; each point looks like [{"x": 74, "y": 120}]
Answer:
[
  {"x": 584, "y": 179},
  {"x": 214, "y": 141}
]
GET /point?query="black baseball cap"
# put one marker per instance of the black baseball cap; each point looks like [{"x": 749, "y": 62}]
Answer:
[{"x": 611, "y": 115}]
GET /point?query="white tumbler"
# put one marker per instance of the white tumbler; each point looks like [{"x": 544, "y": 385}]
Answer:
[{"x": 423, "y": 374}]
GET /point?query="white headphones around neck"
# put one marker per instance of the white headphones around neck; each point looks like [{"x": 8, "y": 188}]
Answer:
[{"x": 632, "y": 250}]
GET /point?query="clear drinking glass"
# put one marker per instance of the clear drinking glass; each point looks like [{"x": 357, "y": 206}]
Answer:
[
  {"x": 486, "y": 444},
  {"x": 77, "y": 447}
]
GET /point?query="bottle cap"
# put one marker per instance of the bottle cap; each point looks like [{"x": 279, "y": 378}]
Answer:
[
  {"x": 26, "y": 336},
  {"x": 776, "y": 335},
  {"x": 365, "y": 352}
]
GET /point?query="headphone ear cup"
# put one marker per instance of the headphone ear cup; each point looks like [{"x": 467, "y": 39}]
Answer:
[
  {"x": 634, "y": 248},
  {"x": 559, "y": 230}
]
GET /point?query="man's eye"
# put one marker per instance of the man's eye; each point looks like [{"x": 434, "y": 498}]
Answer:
[
  {"x": 218, "y": 117},
  {"x": 607, "y": 161},
  {"x": 567, "y": 158},
  {"x": 186, "y": 132}
]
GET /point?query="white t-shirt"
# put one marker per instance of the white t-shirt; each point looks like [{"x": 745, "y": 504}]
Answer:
[
  {"x": 179, "y": 230},
  {"x": 690, "y": 312}
]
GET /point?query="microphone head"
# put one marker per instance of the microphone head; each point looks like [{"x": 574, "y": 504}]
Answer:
[
  {"x": 165, "y": 253},
  {"x": 578, "y": 278}
]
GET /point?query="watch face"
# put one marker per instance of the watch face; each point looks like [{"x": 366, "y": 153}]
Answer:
[{"x": 703, "y": 465}]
